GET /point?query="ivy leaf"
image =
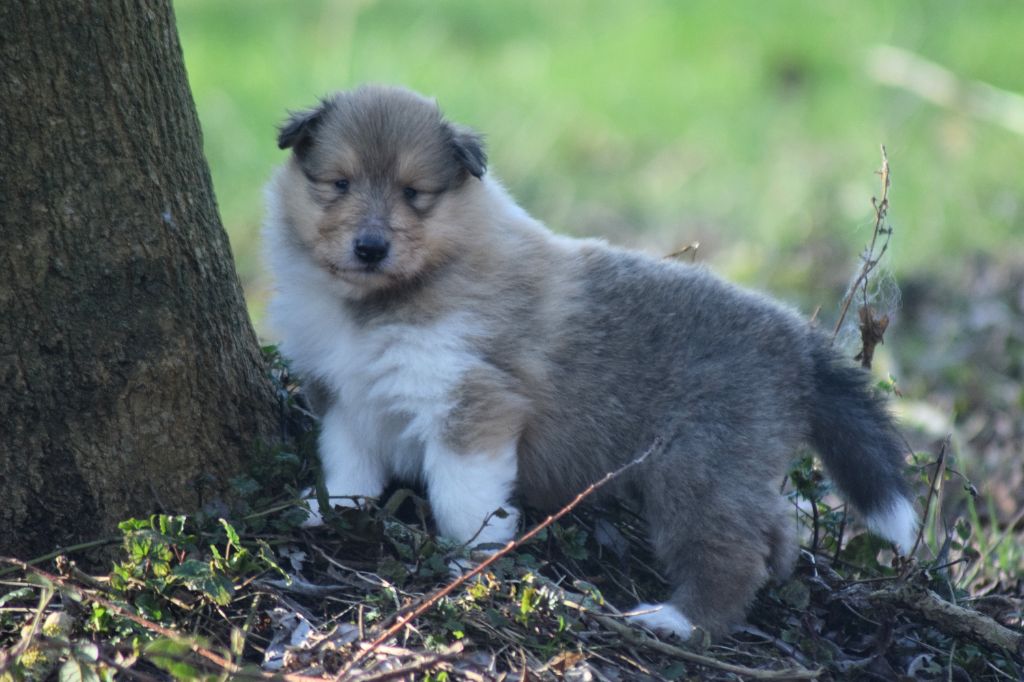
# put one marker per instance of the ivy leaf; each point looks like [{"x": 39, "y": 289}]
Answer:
[
  {"x": 198, "y": 575},
  {"x": 87, "y": 651},
  {"x": 862, "y": 550},
  {"x": 172, "y": 656},
  {"x": 17, "y": 594},
  {"x": 76, "y": 671}
]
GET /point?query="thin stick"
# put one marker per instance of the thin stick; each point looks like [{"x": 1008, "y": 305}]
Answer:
[
  {"x": 940, "y": 467},
  {"x": 482, "y": 566},
  {"x": 870, "y": 260},
  {"x": 64, "y": 550},
  {"x": 420, "y": 664},
  {"x": 690, "y": 248}
]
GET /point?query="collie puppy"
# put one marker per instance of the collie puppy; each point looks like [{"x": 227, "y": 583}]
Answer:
[{"x": 454, "y": 339}]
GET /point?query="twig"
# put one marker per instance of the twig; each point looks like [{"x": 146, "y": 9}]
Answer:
[
  {"x": 482, "y": 566},
  {"x": 839, "y": 535},
  {"x": 950, "y": 618},
  {"x": 815, "y": 520},
  {"x": 690, "y": 248},
  {"x": 421, "y": 664},
  {"x": 940, "y": 467},
  {"x": 63, "y": 550},
  {"x": 869, "y": 258},
  {"x": 33, "y": 631},
  {"x": 247, "y": 626}
]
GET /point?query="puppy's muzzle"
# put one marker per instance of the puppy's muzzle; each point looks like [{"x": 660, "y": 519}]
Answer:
[{"x": 371, "y": 248}]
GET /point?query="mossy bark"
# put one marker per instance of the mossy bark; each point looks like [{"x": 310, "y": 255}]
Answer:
[{"x": 130, "y": 377}]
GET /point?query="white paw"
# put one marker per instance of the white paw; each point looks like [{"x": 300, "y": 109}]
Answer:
[{"x": 663, "y": 619}]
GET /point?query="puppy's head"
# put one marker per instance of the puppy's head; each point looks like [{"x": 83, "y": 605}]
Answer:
[{"x": 377, "y": 186}]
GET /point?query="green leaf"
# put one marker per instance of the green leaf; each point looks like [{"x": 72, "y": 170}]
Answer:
[
  {"x": 267, "y": 557},
  {"x": 99, "y": 619},
  {"x": 76, "y": 671},
  {"x": 395, "y": 501},
  {"x": 674, "y": 671},
  {"x": 963, "y": 529},
  {"x": 198, "y": 575},
  {"x": 17, "y": 594},
  {"x": 150, "y": 606},
  {"x": 862, "y": 550},
  {"x": 172, "y": 656},
  {"x": 71, "y": 672},
  {"x": 245, "y": 485},
  {"x": 795, "y": 594},
  {"x": 36, "y": 579},
  {"x": 287, "y": 459},
  {"x": 131, "y": 525},
  {"x": 87, "y": 651},
  {"x": 392, "y": 569},
  {"x": 528, "y": 602},
  {"x": 220, "y": 589},
  {"x": 232, "y": 534},
  {"x": 191, "y": 569}
]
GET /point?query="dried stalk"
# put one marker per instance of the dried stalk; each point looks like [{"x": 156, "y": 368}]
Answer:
[
  {"x": 870, "y": 260},
  {"x": 933, "y": 489}
]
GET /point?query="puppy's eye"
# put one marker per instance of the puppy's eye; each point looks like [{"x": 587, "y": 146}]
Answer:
[
  {"x": 341, "y": 185},
  {"x": 410, "y": 193}
]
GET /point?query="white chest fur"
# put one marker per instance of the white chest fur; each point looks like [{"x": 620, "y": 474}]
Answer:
[
  {"x": 393, "y": 387},
  {"x": 393, "y": 382}
]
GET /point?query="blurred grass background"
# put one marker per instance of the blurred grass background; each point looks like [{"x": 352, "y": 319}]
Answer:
[{"x": 751, "y": 127}]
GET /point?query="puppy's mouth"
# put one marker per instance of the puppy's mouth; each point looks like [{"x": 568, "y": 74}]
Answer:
[{"x": 356, "y": 271}]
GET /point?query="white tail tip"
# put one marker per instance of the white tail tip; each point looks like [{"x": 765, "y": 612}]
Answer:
[{"x": 896, "y": 523}]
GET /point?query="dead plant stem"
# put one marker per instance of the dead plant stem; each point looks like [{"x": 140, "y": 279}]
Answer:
[{"x": 870, "y": 260}]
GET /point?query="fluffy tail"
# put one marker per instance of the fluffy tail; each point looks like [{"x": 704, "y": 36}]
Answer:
[{"x": 853, "y": 432}]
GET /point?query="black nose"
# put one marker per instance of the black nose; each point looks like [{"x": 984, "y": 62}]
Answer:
[{"x": 371, "y": 249}]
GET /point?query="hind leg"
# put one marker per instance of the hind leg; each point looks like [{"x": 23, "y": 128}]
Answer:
[{"x": 718, "y": 545}]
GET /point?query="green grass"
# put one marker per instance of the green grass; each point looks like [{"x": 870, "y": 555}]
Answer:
[{"x": 752, "y": 127}]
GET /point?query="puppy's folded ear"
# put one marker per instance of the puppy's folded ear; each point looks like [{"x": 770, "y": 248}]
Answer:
[
  {"x": 468, "y": 146},
  {"x": 298, "y": 130}
]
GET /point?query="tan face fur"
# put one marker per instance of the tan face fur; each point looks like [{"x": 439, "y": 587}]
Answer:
[{"x": 379, "y": 187}]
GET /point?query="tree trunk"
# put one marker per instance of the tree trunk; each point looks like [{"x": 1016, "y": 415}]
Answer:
[{"x": 130, "y": 377}]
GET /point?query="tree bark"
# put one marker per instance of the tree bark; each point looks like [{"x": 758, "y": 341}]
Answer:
[{"x": 130, "y": 377}]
